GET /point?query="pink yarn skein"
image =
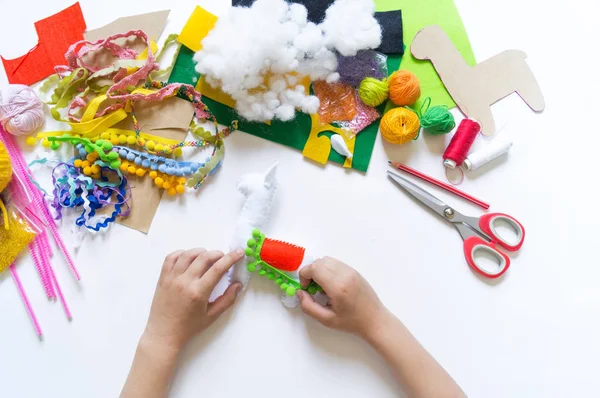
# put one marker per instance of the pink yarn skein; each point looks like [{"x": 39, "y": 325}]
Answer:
[{"x": 21, "y": 111}]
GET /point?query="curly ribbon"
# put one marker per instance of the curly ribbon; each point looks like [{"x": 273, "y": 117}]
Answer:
[{"x": 73, "y": 189}]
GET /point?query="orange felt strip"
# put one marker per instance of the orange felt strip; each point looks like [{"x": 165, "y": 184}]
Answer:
[
  {"x": 281, "y": 255},
  {"x": 55, "y": 34}
]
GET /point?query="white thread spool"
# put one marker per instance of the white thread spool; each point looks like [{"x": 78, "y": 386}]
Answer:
[{"x": 486, "y": 154}]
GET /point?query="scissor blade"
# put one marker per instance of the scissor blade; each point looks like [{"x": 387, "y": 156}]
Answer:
[{"x": 425, "y": 197}]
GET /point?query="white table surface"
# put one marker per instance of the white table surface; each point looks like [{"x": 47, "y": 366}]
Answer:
[{"x": 534, "y": 334}]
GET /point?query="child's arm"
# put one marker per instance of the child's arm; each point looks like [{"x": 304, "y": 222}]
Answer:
[
  {"x": 180, "y": 310},
  {"x": 354, "y": 307}
]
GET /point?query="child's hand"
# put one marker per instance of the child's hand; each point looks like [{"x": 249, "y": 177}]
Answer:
[
  {"x": 180, "y": 308},
  {"x": 353, "y": 304}
]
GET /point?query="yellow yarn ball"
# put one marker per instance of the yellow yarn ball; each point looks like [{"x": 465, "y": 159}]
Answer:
[
  {"x": 404, "y": 87},
  {"x": 400, "y": 125},
  {"x": 178, "y": 152},
  {"x": 373, "y": 92},
  {"x": 131, "y": 140},
  {"x": 31, "y": 141},
  {"x": 5, "y": 167}
]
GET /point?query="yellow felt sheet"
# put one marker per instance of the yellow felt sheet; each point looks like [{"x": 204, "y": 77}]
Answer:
[
  {"x": 318, "y": 147},
  {"x": 196, "y": 28}
]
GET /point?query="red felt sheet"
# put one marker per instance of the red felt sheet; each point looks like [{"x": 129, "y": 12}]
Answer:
[{"x": 55, "y": 34}]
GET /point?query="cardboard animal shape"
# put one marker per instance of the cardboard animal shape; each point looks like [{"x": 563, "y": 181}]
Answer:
[{"x": 475, "y": 89}]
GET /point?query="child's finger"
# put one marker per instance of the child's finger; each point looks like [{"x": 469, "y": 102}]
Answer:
[
  {"x": 169, "y": 263},
  {"x": 316, "y": 272},
  {"x": 203, "y": 262},
  {"x": 224, "y": 302},
  {"x": 315, "y": 310},
  {"x": 185, "y": 259},
  {"x": 209, "y": 280}
]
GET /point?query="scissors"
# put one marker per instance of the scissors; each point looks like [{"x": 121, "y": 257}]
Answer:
[{"x": 479, "y": 234}]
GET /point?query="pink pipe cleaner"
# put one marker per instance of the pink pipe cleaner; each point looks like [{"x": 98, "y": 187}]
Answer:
[
  {"x": 41, "y": 268},
  {"x": 36, "y": 324},
  {"x": 60, "y": 294},
  {"x": 20, "y": 166}
]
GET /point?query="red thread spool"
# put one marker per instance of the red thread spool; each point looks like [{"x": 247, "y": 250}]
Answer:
[{"x": 459, "y": 146}]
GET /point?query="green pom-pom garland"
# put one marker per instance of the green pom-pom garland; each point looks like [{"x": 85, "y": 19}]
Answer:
[{"x": 286, "y": 284}]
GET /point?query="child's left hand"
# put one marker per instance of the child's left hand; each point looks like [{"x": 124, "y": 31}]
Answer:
[{"x": 180, "y": 308}]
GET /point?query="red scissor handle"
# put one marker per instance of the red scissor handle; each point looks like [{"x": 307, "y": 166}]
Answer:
[
  {"x": 486, "y": 223},
  {"x": 473, "y": 245}
]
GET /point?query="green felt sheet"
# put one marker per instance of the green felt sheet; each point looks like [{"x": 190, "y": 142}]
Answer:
[
  {"x": 417, "y": 14},
  {"x": 293, "y": 133}
]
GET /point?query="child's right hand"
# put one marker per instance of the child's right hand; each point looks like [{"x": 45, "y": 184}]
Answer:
[{"x": 353, "y": 304}]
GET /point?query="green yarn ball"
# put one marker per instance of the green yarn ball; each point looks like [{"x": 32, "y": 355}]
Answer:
[
  {"x": 373, "y": 92},
  {"x": 438, "y": 120}
]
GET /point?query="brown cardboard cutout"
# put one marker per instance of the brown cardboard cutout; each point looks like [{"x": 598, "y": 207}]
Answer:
[
  {"x": 152, "y": 24},
  {"x": 475, "y": 89},
  {"x": 169, "y": 118}
]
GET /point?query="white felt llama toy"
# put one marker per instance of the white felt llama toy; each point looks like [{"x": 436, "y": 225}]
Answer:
[
  {"x": 276, "y": 260},
  {"x": 259, "y": 189}
]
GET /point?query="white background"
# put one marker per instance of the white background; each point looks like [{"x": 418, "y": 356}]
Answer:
[{"x": 533, "y": 334}]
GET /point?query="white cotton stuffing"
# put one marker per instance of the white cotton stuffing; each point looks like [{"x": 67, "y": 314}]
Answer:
[
  {"x": 259, "y": 55},
  {"x": 350, "y": 26}
]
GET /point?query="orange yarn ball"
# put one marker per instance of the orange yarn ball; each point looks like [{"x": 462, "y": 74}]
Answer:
[
  {"x": 404, "y": 87},
  {"x": 400, "y": 125}
]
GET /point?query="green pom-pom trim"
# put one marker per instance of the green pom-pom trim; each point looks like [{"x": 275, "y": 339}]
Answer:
[{"x": 286, "y": 284}]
